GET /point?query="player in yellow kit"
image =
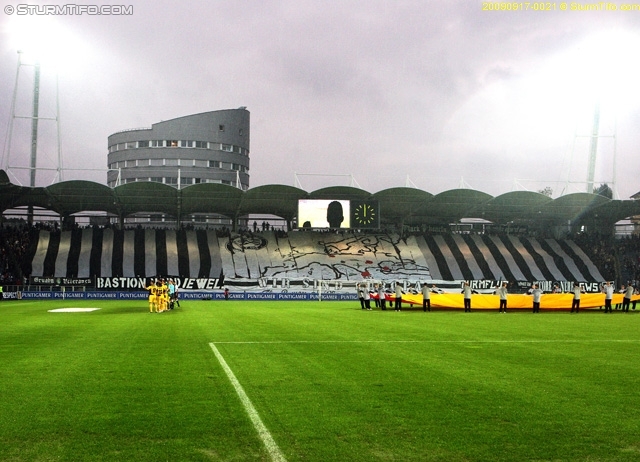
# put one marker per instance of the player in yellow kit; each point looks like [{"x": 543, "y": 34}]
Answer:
[
  {"x": 153, "y": 297},
  {"x": 163, "y": 296}
]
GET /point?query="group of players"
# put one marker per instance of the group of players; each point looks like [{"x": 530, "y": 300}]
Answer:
[{"x": 163, "y": 296}]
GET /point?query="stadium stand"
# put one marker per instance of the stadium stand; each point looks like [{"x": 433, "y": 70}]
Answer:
[
  {"x": 349, "y": 256},
  {"x": 523, "y": 235}
]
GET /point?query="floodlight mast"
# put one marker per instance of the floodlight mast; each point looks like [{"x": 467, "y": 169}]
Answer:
[
  {"x": 594, "y": 138},
  {"x": 35, "y": 119},
  {"x": 593, "y": 149},
  {"x": 34, "y": 125}
]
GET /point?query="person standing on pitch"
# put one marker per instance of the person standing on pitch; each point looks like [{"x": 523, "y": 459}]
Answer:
[
  {"x": 575, "y": 304},
  {"x": 608, "y": 296},
  {"x": 376, "y": 300},
  {"x": 367, "y": 298},
  {"x": 466, "y": 290},
  {"x": 360, "y": 290},
  {"x": 626, "y": 301},
  {"x": 426, "y": 297},
  {"x": 153, "y": 301},
  {"x": 382, "y": 297},
  {"x": 171, "y": 289},
  {"x": 537, "y": 294},
  {"x": 502, "y": 292},
  {"x": 398, "y": 301}
]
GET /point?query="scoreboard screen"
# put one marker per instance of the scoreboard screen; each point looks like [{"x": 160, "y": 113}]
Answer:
[{"x": 337, "y": 213}]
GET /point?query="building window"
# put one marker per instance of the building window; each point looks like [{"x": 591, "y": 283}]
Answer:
[
  {"x": 130, "y": 163},
  {"x": 143, "y": 144},
  {"x": 201, "y": 144},
  {"x": 157, "y": 143},
  {"x": 143, "y": 162},
  {"x": 156, "y": 179},
  {"x": 131, "y": 145},
  {"x": 121, "y": 146},
  {"x": 221, "y": 128},
  {"x": 186, "y": 181},
  {"x": 241, "y": 132},
  {"x": 226, "y": 147},
  {"x": 215, "y": 164},
  {"x": 238, "y": 167},
  {"x": 156, "y": 162},
  {"x": 171, "y": 162},
  {"x": 172, "y": 180},
  {"x": 172, "y": 143},
  {"x": 200, "y": 163},
  {"x": 197, "y": 180},
  {"x": 186, "y": 144}
]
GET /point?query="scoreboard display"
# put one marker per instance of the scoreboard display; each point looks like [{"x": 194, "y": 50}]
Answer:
[{"x": 338, "y": 214}]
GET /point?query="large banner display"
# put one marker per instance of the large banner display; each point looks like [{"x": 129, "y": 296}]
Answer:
[
  {"x": 53, "y": 281},
  {"x": 122, "y": 283},
  {"x": 308, "y": 285},
  {"x": 305, "y": 255}
]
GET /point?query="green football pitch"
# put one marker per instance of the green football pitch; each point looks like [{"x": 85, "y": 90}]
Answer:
[{"x": 315, "y": 381}]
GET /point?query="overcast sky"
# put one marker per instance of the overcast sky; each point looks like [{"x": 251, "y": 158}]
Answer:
[{"x": 431, "y": 94}]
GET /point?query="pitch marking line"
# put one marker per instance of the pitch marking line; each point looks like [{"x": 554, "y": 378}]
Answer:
[
  {"x": 265, "y": 436},
  {"x": 275, "y": 342}
]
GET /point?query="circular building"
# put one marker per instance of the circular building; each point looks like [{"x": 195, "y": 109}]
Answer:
[{"x": 210, "y": 147}]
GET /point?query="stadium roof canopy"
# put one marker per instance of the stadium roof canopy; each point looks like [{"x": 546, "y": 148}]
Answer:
[{"x": 397, "y": 205}]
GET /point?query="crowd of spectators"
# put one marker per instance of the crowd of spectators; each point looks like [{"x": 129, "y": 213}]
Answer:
[
  {"x": 14, "y": 246},
  {"x": 629, "y": 253},
  {"x": 602, "y": 250}
]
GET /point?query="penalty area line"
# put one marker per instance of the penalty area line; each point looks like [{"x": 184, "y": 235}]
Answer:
[{"x": 265, "y": 436}]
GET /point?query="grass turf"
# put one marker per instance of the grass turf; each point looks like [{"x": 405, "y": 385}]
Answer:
[{"x": 331, "y": 383}]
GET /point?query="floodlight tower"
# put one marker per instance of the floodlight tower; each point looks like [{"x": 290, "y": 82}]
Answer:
[
  {"x": 593, "y": 148},
  {"x": 594, "y": 138},
  {"x": 35, "y": 119},
  {"x": 34, "y": 124}
]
